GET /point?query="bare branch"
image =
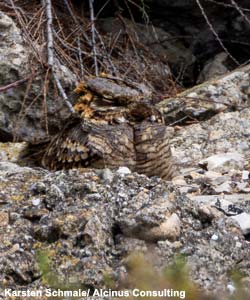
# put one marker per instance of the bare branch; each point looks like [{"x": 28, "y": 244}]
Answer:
[
  {"x": 62, "y": 92},
  {"x": 13, "y": 84},
  {"x": 107, "y": 55},
  {"x": 226, "y": 5},
  {"x": 76, "y": 21},
  {"x": 80, "y": 57},
  {"x": 92, "y": 19},
  {"x": 50, "y": 49},
  {"x": 214, "y": 32}
]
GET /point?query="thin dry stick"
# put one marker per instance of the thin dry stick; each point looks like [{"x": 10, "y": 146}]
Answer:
[
  {"x": 45, "y": 92},
  {"x": 76, "y": 21},
  {"x": 92, "y": 19},
  {"x": 50, "y": 49},
  {"x": 80, "y": 57},
  {"x": 13, "y": 84},
  {"x": 106, "y": 52},
  {"x": 50, "y": 46},
  {"x": 226, "y": 5},
  {"x": 26, "y": 32},
  {"x": 214, "y": 32},
  {"x": 69, "y": 46}
]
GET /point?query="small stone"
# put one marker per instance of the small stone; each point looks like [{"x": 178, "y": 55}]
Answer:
[
  {"x": 170, "y": 229},
  {"x": 196, "y": 175},
  {"x": 179, "y": 180},
  {"x": 231, "y": 288},
  {"x": 212, "y": 90},
  {"x": 245, "y": 175},
  {"x": 214, "y": 237},
  {"x": 36, "y": 201},
  {"x": 123, "y": 171},
  {"x": 107, "y": 175},
  {"x": 184, "y": 189},
  {"x": 243, "y": 220},
  {"x": 212, "y": 175},
  {"x": 243, "y": 187},
  {"x": 223, "y": 161},
  {"x": 222, "y": 188},
  {"x": 208, "y": 213},
  {"x": 192, "y": 95},
  {"x": 238, "y": 245},
  {"x": 4, "y": 219},
  {"x": 94, "y": 197}
]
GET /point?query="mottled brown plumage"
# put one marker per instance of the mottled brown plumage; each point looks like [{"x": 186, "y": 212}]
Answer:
[{"x": 109, "y": 134}]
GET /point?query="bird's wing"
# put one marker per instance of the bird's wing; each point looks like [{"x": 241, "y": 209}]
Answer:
[{"x": 91, "y": 144}]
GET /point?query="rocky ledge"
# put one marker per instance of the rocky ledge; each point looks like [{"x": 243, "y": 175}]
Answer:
[{"x": 88, "y": 221}]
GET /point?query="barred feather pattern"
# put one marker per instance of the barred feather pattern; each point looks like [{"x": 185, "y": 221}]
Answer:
[{"x": 141, "y": 146}]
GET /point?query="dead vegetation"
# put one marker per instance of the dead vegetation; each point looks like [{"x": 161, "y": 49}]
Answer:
[
  {"x": 69, "y": 33},
  {"x": 61, "y": 32}
]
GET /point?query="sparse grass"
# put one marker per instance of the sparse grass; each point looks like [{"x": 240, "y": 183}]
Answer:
[{"x": 141, "y": 275}]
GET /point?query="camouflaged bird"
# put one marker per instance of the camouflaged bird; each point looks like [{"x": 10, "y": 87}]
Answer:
[{"x": 114, "y": 126}]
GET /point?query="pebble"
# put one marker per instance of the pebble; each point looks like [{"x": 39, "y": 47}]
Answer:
[
  {"x": 223, "y": 161},
  {"x": 224, "y": 187},
  {"x": 243, "y": 220},
  {"x": 123, "y": 171},
  {"x": 245, "y": 175},
  {"x": 214, "y": 237},
  {"x": 231, "y": 288},
  {"x": 169, "y": 229},
  {"x": 107, "y": 176},
  {"x": 36, "y": 201},
  {"x": 4, "y": 219}
]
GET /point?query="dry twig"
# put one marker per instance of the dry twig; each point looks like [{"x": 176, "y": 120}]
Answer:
[
  {"x": 215, "y": 33},
  {"x": 93, "y": 30},
  {"x": 50, "y": 52}
]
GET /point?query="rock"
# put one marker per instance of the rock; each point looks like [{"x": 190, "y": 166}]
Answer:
[
  {"x": 245, "y": 175},
  {"x": 223, "y": 188},
  {"x": 212, "y": 97},
  {"x": 11, "y": 151},
  {"x": 208, "y": 213},
  {"x": 189, "y": 148},
  {"x": 214, "y": 67},
  {"x": 179, "y": 180},
  {"x": 36, "y": 201},
  {"x": 85, "y": 234},
  {"x": 13, "y": 53},
  {"x": 11, "y": 168},
  {"x": 244, "y": 221},
  {"x": 215, "y": 177},
  {"x": 243, "y": 187},
  {"x": 168, "y": 230},
  {"x": 223, "y": 161},
  {"x": 4, "y": 219},
  {"x": 214, "y": 237},
  {"x": 123, "y": 171},
  {"x": 107, "y": 176},
  {"x": 21, "y": 119}
]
